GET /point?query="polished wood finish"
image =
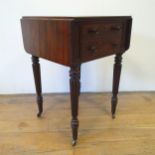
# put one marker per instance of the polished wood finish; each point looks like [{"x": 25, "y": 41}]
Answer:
[
  {"x": 116, "y": 79},
  {"x": 71, "y": 41},
  {"x": 55, "y": 38},
  {"x": 48, "y": 39},
  {"x": 100, "y": 39},
  {"x": 133, "y": 132},
  {"x": 37, "y": 79},
  {"x": 75, "y": 90}
]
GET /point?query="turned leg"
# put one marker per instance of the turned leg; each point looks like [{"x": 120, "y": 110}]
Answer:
[
  {"x": 74, "y": 91},
  {"x": 116, "y": 79},
  {"x": 37, "y": 79},
  {"x": 79, "y": 81}
]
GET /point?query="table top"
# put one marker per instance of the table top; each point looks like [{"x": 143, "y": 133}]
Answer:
[
  {"x": 68, "y": 40},
  {"x": 80, "y": 18}
]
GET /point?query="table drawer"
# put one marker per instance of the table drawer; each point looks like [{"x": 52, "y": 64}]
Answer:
[
  {"x": 99, "y": 39},
  {"x": 103, "y": 29}
]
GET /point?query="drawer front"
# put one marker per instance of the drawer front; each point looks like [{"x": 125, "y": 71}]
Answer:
[{"x": 100, "y": 39}]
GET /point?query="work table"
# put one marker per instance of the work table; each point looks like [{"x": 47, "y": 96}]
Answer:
[{"x": 71, "y": 41}]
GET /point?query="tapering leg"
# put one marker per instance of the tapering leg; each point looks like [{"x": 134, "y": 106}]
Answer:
[
  {"x": 116, "y": 79},
  {"x": 79, "y": 81},
  {"x": 74, "y": 91},
  {"x": 37, "y": 79}
]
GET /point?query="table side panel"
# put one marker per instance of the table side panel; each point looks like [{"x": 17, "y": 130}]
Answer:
[{"x": 48, "y": 39}]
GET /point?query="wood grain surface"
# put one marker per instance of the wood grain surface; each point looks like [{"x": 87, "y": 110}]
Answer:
[{"x": 131, "y": 133}]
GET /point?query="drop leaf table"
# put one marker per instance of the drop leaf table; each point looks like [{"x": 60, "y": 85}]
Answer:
[{"x": 71, "y": 41}]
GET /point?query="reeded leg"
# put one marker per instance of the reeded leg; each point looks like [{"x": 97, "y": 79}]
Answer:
[
  {"x": 116, "y": 79},
  {"x": 37, "y": 79},
  {"x": 74, "y": 91},
  {"x": 79, "y": 81}
]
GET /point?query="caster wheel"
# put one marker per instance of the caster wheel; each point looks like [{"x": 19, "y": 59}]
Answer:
[
  {"x": 113, "y": 116},
  {"x": 39, "y": 114},
  {"x": 73, "y": 142}
]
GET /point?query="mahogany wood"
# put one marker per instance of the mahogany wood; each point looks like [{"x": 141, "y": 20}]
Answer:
[
  {"x": 37, "y": 79},
  {"x": 74, "y": 89},
  {"x": 71, "y": 41},
  {"x": 116, "y": 79}
]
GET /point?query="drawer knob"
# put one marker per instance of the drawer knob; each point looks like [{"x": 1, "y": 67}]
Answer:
[
  {"x": 93, "y": 49},
  {"x": 93, "y": 31},
  {"x": 116, "y": 28}
]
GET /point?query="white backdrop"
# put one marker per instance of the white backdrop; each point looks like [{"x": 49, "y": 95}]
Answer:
[{"x": 138, "y": 73}]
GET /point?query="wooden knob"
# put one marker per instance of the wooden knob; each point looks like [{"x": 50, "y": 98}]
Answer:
[
  {"x": 116, "y": 28},
  {"x": 93, "y": 31}
]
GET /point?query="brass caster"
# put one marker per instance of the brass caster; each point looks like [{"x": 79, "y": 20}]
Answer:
[
  {"x": 73, "y": 142},
  {"x": 113, "y": 116},
  {"x": 39, "y": 114}
]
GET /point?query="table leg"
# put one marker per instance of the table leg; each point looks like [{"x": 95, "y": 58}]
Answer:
[
  {"x": 37, "y": 79},
  {"x": 79, "y": 81},
  {"x": 116, "y": 79},
  {"x": 74, "y": 91}
]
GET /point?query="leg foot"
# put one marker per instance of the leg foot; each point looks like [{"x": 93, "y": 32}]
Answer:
[
  {"x": 113, "y": 116},
  {"x": 39, "y": 114},
  {"x": 40, "y": 105},
  {"x": 73, "y": 142},
  {"x": 113, "y": 106}
]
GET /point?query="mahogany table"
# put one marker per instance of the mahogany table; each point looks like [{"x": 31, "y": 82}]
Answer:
[{"x": 71, "y": 41}]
